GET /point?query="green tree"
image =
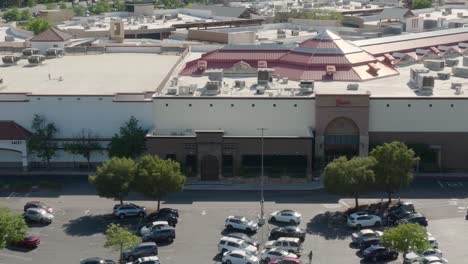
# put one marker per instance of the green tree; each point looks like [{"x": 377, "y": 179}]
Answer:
[
  {"x": 12, "y": 227},
  {"x": 30, "y": 3},
  {"x": 41, "y": 141},
  {"x": 114, "y": 178},
  {"x": 100, "y": 7},
  {"x": 25, "y": 14},
  {"x": 405, "y": 238},
  {"x": 352, "y": 177},
  {"x": 119, "y": 5},
  {"x": 119, "y": 238},
  {"x": 79, "y": 10},
  {"x": 51, "y": 6},
  {"x": 157, "y": 178},
  {"x": 12, "y": 15},
  {"x": 421, "y": 4},
  {"x": 63, "y": 5},
  {"x": 395, "y": 162},
  {"x": 38, "y": 25},
  {"x": 85, "y": 146},
  {"x": 130, "y": 142}
]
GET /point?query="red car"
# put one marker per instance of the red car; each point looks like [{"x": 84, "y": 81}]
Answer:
[
  {"x": 37, "y": 204},
  {"x": 29, "y": 242},
  {"x": 286, "y": 261}
]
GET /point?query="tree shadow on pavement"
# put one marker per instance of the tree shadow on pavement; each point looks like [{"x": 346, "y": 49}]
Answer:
[
  {"x": 89, "y": 225},
  {"x": 330, "y": 225}
]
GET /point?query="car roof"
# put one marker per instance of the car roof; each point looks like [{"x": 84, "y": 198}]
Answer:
[
  {"x": 160, "y": 223},
  {"x": 294, "y": 239},
  {"x": 277, "y": 250},
  {"x": 288, "y": 211},
  {"x": 39, "y": 210},
  {"x": 93, "y": 258},
  {"x": 232, "y": 239},
  {"x": 235, "y": 217},
  {"x": 238, "y": 251},
  {"x": 146, "y": 244},
  {"x": 166, "y": 227},
  {"x": 366, "y": 231},
  {"x": 375, "y": 247},
  {"x": 148, "y": 258},
  {"x": 431, "y": 258}
]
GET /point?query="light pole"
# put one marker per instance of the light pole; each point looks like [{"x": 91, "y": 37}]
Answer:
[{"x": 262, "y": 200}]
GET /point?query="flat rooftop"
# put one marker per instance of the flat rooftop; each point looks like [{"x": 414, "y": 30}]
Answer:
[
  {"x": 105, "y": 74},
  {"x": 388, "y": 87}
]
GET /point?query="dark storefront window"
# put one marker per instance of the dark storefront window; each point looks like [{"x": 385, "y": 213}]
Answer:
[
  {"x": 228, "y": 163},
  {"x": 275, "y": 165},
  {"x": 191, "y": 165}
]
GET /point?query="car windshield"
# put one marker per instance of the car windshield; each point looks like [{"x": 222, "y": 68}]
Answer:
[{"x": 244, "y": 244}]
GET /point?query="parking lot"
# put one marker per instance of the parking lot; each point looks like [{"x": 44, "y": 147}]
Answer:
[{"x": 81, "y": 217}]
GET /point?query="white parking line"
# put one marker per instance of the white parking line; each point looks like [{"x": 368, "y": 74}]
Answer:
[
  {"x": 345, "y": 204},
  {"x": 441, "y": 185},
  {"x": 11, "y": 195},
  {"x": 16, "y": 257}
]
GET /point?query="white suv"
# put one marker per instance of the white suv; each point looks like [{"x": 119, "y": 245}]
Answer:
[
  {"x": 359, "y": 221},
  {"x": 239, "y": 257},
  {"x": 230, "y": 244},
  {"x": 241, "y": 223},
  {"x": 126, "y": 210},
  {"x": 287, "y": 216},
  {"x": 289, "y": 244}
]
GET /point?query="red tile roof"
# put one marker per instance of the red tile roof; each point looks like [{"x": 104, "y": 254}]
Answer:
[
  {"x": 10, "y": 130},
  {"x": 51, "y": 35}
]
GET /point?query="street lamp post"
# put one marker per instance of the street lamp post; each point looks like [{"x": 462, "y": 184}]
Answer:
[{"x": 262, "y": 200}]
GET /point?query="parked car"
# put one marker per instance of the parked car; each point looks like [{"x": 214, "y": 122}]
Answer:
[
  {"x": 402, "y": 206},
  {"x": 414, "y": 218},
  {"x": 358, "y": 221},
  {"x": 394, "y": 217},
  {"x": 432, "y": 240},
  {"x": 148, "y": 228},
  {"x": 413, "y": 257},
  {"x": 171, "y": 211},
  {"x": 288, "y": 231},
  {"x": 40, "y": 205},
  {"x": 230, "y": 244},
  {"x": 276, "y": 253},
  {"x": 146, "y": 260},
  {"x": 144, "y": 249},
  {"x": 244, "y": 237},
  {"x": 240, "y": 223},
  {"x": 239, "y": 257},
  {"x": 365, "y": 233},
  {"x": 96, "y": 260},
  {"x": 368, "y": 242},
  {"x": 127, "y": 210},
  {"x": 38, "y": 215},
  {"x": 290, "y": 244},
  {"x": 288, "y": 216},
  {"x": 156, "y": 216},
  {"x": 165, "y": 233},
  {"x": 377, "y": 253},
  {"x": 433, "y": 260},
  {"x": 29, "y": 241},
  {"x": 286, "y": 260}
]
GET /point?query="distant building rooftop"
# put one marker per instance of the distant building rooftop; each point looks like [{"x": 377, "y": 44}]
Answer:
[{"x": 51, "y": 35}]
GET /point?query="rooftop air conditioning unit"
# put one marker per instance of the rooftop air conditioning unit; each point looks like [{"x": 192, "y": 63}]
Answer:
[
  {"x": 330, "y": 69},
  {"x": 451, "y": 62},
  {"x": 421, "y": 51},
  {"x": 239, "y": 84},
  {"x": 456, "y": 85},
  {"x": 54, "y": 53},
  {"x": 444, "y": 13},
  {"x": 10, "y": 59},
  {"x": 458, "y": 90},
  {"x": 262, "y": 64},
  {"x": 294, "y": 32},
  {"x": 264, "y": 76},
  {"x": 460, "y": 71},
  {"x": 280, "y": 31},
  {"x": 443, "y": 75},
  {"x": 285, "y": 80},
  {"x": 212, "y": 88},
  {"x": 428, "y": 15},
  {"x": 30, "y": 51},
  {"x": 353, "y": 87},
  {"x": 260, "y": 89},
  {"x": 215, "y": 75},
  {"x": 306, "y": 86},
  {"x": 460, "y": 14},
  {"x": 202, "y": 65},
  {"x": 172, "y": 91},
  {"x": 187, "y": 90},
  {"x": 175, "y": 81},
  {"x": 9, "y": 38},
  {"x": 36, "y": 59},
  {"x": 281, "y": 36},
  {"x": 463, "y": 45},
  {"x": 435, "y": 65},
  {"x": 465, "y": 61}
]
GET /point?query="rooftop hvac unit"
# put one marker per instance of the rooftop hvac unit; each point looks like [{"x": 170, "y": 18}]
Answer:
[
  {"x": 428, "y": 15},
  {"x": 443, "y": 48},
  {"x": 465, "y": 61},
  {"x": 280, "y": 31},
  {"x": 458, "y": 90},
  {"x": 202, "y": 65},
  {"x": 451, "y": 62},
  {"x": 10, "y": 59},
  {"x": 426, "y": 85},
  {"x": 30, "y": 51},
  {"x": 54, "y": 52},
  {"x": 175, "y": 81},
  {"x": 460, "y": 71},
  {"x": 36, "y": 59},
  {"x": 239, "y": 84},
  {"x": 212, "y": 88},
  {"x": 443, "y": 75},
  {"x": 353, "y": 87},
  {"x": 460, "y": 14},
  {"x": 215, "y": 75},
  {"x": 463, "y": 45},
  {"x": 330, "y": 69},
  {"x": 456, "y": 85},
  {"x": 306, "y": 85},
  {"x": 281, "y": 36},
  {"x": 435, "y": 65},
  {"x": 284, "y": 80},
  {"x": 448, "y": 10},
  {"x": 421, "y": 51},
  {"x": 264, "y": 76},
  {"x": 294, "y": 32},
  {"x": 444, "y": 13},
  {"x": 9, "y": 38},
  {"x": 262, "y": 64},
  {"x": 260, "y": 89},
  {"x": 172, "y": 91},
  {"x": 187, "y": 90},
  {"x": 144, "y": 27}
]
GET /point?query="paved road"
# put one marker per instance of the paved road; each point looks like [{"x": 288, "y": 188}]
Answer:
[{"x": 81, "y": 218}]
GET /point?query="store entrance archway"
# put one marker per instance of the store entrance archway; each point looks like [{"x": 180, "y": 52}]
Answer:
[{"x": 341, "y": 139}]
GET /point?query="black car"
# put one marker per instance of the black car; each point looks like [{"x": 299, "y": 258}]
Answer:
[
  {"x": 377, "y": 253},
  {"x": 169, "y": 218},
  {"x": 170, "y": 211},
  {"x": 244, "y": 237},
  {"x": 415, "y": 219},
  {"x": 397, "y": 215},
  {"x": 287, "y": 231},
  {"x": 165, "y": 233},
  {"x": 96, "y": 261},
  {"x": 365, "y": 243},
  {"x": 403, "y": 206}
]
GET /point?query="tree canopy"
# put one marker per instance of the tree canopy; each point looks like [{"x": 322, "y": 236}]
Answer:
[
  {"x": 157, "y": 178},
  {"x": 114, "y": 178},
  {"x": 405, "y": 238},
  {"x": 85, "y": 145},
  {"x": 41, "y": 141},
  {"x": 130, "y": 142},
  {"x": 421, "y": 4},
  {"x": 12, "y": 227},
  {"x": 119, "y": 238},
  {"x": 352, "y": 177},
  {"x": 38, "y": 25},
  {"x": 395, "y": 162}
]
